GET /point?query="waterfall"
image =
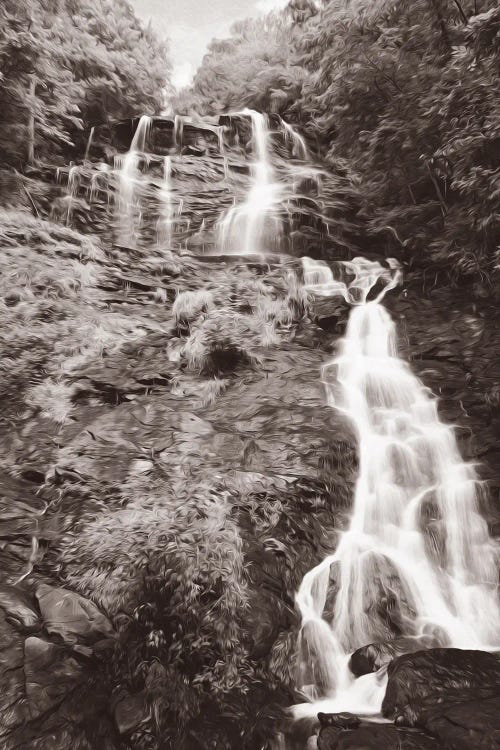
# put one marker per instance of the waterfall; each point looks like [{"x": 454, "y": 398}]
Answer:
[
  {"x": 166, "y": 221},
  {"x": 74, "y": 177},
  {"x": 299, "y": 148},
  {"x": 222, "y": 150},
  {"x": 244, "y": 228},
  {"x": 416, "y": 538},
  {"x": 89, "y": 144},
  {"x": 178, "y": 131},
  {"x": 128, "y": 180}
]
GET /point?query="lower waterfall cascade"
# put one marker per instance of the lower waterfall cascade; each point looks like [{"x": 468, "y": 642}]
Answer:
[{"x": 415, "y": 538}]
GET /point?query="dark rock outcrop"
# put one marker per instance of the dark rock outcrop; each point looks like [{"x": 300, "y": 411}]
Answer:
[
  {"x": 417, "y": 681},
  {"x": 372, "y": 657},
  {"x": 50, "y": 674},
  {"x": 330, "y": 314},
  {"x": 371, "y": 736},
  {"x": 463, "y": 726}
]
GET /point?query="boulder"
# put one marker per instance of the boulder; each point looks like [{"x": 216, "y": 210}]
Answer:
[
  {"x": 462, "y": 726},
  {"x": 417, "y": 681},
  {"x": 371, "y": 736},
  {"x": 341, "y": 721},
  {"x": 372, "y": 657},
  {"x": 330, "y": 313},
  {"x": 50, "y": 674},
  {"x": 71, "y": 616}
]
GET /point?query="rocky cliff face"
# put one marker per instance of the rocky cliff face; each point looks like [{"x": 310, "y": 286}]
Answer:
[{"x": 191, "y": 174}]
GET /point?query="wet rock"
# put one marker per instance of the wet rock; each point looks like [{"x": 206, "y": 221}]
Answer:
[
  {"x": 375, "y": 737},
  {"x": 50, "y": 674},
  {"x": 18, "y": 607},
  {"x": 417, "y": 681},
  {"x": 341, "y": 721},
  {"x": 372, "y": 657},
  {"x": 330, "y": 313},
  {"x": 71, "y": 616},
  {"x": 130, "y": 712},
  {"x": 462, "y": 726}
]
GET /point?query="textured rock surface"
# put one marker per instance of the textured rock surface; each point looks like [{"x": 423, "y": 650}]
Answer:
[
  {"x": 417, "y": 681},
  {"x": 50, "y": 674},
  {"x": 375, "y": 737},
  {"x": 71, "y": 616},
  {"x": 375, "y": 655},
  {"x": 182, "y": 507},
  {"x": 461, "y": 726}
]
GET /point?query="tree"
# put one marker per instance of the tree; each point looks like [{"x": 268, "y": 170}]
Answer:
[{"x": 66, "y": 64}]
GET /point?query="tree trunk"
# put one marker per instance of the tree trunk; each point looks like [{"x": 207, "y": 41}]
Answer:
[{"x": 31, "y": 121}]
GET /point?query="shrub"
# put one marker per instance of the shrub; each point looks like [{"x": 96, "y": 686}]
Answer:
[{"x": 189, "y": 306}]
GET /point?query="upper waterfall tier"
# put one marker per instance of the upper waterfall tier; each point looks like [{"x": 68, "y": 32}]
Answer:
[
  {"x": 239, "y": 184},
  {"x": 179, "y": 134}
]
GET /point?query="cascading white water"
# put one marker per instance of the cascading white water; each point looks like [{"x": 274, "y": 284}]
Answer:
[
  {"x": 98, "y": 182},
  {"x": 416, "y": 538},
  {"x": 244, "y": 228},
  {"x": 89, "y": 144},
  {"x": 178, "y": 130},
  {"x": 299, "y": 148},
  {"x": 74, "y": 177},
  {"x": 128, "y": 180},
  {"x": 166, "y": 220}
]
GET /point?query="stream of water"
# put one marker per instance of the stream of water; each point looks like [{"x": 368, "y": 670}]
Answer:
[
  {"x": 416, "y": 558},
  {"x": 246, "y": 228},
  {"x": 129, "y": 177}
]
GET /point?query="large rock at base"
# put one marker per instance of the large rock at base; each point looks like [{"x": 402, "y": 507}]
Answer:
[
  {"x": 417, "y": 681},
  {"x": 50, "y": 674},
  {"x": 463, "y": 726},
  {"x": 372, "y": 657},
  {"x": 71, "y": 616},
  {"x": 370, "y": 736}
]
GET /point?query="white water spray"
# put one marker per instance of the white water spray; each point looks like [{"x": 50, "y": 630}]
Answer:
[
  {"x": 244, "y": 230},
  {"x": 129, "y": 179},
  {"x": 166, "y": 220},
  {"x": 89, "y": 144},
  {"x": 74, "y": 177},
  {"x": 299, "y": 148},
  {"x": 416, "y": 558}
]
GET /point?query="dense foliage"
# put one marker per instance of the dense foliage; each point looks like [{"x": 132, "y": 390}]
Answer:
[
  {"x": 406, "y": 94},
  {"x": 67, "y": 65}
]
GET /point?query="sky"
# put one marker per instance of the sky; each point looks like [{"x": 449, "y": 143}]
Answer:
[{"x": 189, "y": 25}]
